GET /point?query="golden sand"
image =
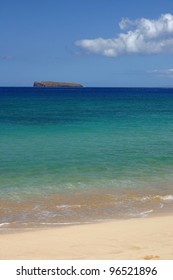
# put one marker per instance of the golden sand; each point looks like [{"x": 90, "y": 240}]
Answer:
[{"x": 149, "y": 238}]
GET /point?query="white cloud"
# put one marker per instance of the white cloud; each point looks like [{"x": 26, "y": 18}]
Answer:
[
  {"x": 163, "y": 73},
  {"x": 142, "y": 36}
]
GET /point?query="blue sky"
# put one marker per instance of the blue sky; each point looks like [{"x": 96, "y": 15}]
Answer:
[{"x": 93, "y": 42}]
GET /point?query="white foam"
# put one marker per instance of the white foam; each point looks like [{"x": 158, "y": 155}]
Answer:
[
  {"x": 166, "y": 197},
  {"x": 65, "y": 223},
  {"x": 146, "y": 213},
  {"x": 145, "y": 198},
  {"x": 62, "y": 206},
  {"x": 68, "y": 206},
  {"x": 141, "y": 214},
  {"x": 160, "y": 197},
  {"x": 4, "y": 224},
  {"x": 161, "y": 205}
]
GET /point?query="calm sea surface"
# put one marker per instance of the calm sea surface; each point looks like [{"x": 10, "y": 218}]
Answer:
[{"x": 79, "y": 155}]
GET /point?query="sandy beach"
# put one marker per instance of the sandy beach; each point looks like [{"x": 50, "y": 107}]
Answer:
[{"x": 148, "y": 238}]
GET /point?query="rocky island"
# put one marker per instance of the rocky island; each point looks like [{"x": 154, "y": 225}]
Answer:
[{"x": 55, "y": 84}]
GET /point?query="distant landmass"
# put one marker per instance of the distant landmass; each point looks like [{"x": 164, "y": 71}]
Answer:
[{"x": 55, "y": 84}]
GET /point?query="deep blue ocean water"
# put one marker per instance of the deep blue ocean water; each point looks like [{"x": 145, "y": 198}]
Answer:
[{"x": 73, "y": 155}]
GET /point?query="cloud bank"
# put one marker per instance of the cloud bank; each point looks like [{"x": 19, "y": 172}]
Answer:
[{"x": 144, "y": 36}]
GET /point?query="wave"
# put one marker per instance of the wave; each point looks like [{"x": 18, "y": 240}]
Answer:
[
  {"x": 165, "y": 197},
  {"x": 156, "y": 197}
]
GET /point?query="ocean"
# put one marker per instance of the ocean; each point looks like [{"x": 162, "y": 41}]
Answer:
[{"x": 84, "y": 155}]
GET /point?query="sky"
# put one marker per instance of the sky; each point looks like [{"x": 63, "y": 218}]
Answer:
[{"x": 111, "y": 43}]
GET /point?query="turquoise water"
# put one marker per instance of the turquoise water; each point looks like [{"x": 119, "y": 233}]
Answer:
[{"x": 84, "y": 154}]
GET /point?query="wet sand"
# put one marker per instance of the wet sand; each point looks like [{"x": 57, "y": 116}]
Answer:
[
  {"x": 83, "y": 207},
  {"x": 145, "y": 238}
]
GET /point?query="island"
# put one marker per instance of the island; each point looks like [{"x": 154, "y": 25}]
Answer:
[{"x": 55, "y": 84}]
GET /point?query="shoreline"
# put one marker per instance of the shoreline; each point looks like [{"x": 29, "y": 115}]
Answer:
[{"x": 134, "y": 239}]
